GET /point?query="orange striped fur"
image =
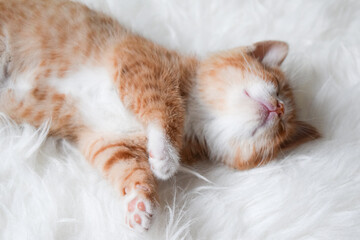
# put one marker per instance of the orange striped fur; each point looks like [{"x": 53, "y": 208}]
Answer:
[{"x": 64, "y": 62}]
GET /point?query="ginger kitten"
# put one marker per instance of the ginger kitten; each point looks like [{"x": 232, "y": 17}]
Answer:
[
  {"x": 133, "y": 107},
  {"x": 242, "y": 107}
]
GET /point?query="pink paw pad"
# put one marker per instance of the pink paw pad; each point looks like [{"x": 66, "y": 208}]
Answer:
[
  {"x": 139, "y": 209},
  {"x": 131, "y": 205},
  {"x": 141, "y": 206},
  {"x": 137, "y": 218}
]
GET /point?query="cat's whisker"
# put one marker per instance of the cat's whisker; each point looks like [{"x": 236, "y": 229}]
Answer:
[{"x": 133, "y": 108}]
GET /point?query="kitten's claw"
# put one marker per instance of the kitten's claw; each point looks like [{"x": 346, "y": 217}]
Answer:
[
  {"x": 139, "y": 210},
  {"x": 163, "y": 157}
]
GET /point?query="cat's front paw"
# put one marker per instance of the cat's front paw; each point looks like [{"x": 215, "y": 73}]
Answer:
[
  {"x": 163, "y": 157},
  {"x": 139, "y": 209}
]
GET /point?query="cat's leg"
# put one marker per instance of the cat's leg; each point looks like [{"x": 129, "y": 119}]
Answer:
[
  {"x": 124, "y": 162},
  {"x": 160, "y": 108},
  {"x": 163, "y": 156}
]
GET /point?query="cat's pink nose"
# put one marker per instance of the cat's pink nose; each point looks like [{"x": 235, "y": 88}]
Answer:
[{"x": 280, "y": 110}]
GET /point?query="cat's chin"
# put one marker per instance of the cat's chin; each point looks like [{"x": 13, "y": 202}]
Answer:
[{"x": 266, "y": 123}]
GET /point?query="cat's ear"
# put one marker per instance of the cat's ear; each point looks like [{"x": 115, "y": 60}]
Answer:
[
  {"x": 303, "y": 133},
  {"x": 270, "y": 53}
]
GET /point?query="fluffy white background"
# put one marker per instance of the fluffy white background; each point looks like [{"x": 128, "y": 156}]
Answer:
[{"x": 47, "y": 190}]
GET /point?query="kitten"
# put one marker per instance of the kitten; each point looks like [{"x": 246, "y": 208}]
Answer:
[
  {"x": 242, "y": 108},
  {"x": 132, "y": 107}
]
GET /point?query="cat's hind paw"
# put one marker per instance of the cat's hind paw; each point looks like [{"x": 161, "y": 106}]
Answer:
[
  {"x": 139, "y": 209},
  {"x": 163, "y": 157}
]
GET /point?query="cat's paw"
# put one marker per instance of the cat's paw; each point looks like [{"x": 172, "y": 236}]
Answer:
[
  {"x": 163, "y": 157},
  {"x": 139, "y": 209}
]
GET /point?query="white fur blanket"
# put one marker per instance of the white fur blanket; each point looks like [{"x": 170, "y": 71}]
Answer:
[{"x": 47, "y": 190}]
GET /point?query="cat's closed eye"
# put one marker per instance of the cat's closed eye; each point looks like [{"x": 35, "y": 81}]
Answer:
[
  {"x": 277, "y": 87},
  {"x": 265, "y": 118}
]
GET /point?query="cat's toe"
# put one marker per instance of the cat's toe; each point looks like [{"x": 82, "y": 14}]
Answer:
[
  {"x": 163, "y": 157},
  {"x": 139, "y": 210},
  {"x": 165, "y": 165}
]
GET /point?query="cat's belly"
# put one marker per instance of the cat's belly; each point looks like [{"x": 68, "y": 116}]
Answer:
[
  {"x": 94, "y": 94},
  {"x": 89, "y": 91}
]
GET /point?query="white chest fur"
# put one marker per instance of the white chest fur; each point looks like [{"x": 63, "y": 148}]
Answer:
[{"x": 97, "y": 101}]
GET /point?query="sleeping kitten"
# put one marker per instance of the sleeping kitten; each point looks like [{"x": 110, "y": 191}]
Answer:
[
  {"x": 241, "y": 108},
  {"x": 133, "y": 107}
]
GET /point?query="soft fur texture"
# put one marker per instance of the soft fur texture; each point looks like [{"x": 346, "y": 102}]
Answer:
[
  {"x": 49, "y": 192},
  {"x": 123, "y": 100}
]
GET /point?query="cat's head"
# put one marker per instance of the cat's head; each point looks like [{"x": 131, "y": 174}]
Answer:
[{"x": 248, "y": 106}]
